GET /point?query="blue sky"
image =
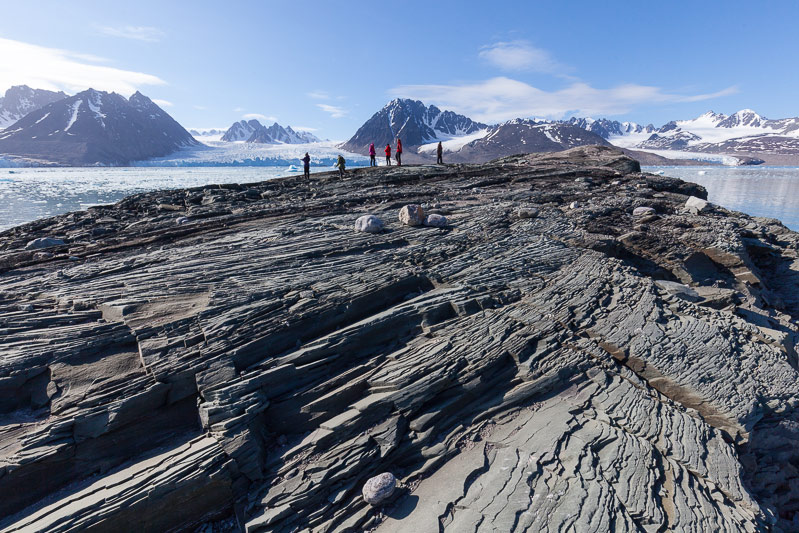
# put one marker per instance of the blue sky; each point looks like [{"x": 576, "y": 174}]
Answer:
[{"x": 328, "y": 66}]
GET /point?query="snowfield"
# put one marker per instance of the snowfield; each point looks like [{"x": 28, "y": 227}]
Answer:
[
  {"x": 225, "y": 154},
  {"x": 451, "y": 143}
]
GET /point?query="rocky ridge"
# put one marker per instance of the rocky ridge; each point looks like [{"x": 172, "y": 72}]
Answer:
[{"x": 239, "y": 357}]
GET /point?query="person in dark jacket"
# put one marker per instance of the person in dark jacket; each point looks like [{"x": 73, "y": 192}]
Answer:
[
  {"x": 372, "y": 153},
  {"x": 306, "y": 162},
  {"x": 341, "y": 164},
  {"x": 388, "y": 155},
  {"x": 399, "y": 152},
  {"x": 440, "y": 154}
]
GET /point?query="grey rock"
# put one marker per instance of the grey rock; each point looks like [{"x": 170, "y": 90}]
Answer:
[
  {"x": 696, "y": 205},
  {"x": 436, "y": 221},
  {"x": 43, "y": 242},
  {"x": 369, "y": 224},
  {"x": 643, "y": 211},
  {"x": 549, "y": 374},
  {"x": 527, "y": 212}
]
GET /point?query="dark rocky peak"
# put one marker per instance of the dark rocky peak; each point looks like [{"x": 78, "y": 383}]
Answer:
[{"x": 20, "y": 100}]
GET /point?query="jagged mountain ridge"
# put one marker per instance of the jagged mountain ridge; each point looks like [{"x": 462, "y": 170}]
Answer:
[
  {"x": 95, "y": 128},
  {"x": 254, "y": 132},
  {"x": 20, "y": 100},
  {"x": 412, "y": 121},
  {"x": 525, "y": 136}
]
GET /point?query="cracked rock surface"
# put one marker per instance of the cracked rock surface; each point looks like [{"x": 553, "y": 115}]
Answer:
[{"x": 238, "y": 357}]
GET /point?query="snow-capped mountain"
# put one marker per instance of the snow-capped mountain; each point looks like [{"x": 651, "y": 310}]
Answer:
[
  {"x": 413, "y": 122},
  {"x": 95, "y": 128},
  {"x": 522, "y": 136},
  {"x": 255, "y": 132},
  {"x": 609, "y": 128},
  {"x": 744, "y": 132},
  {"x": 21, "y": 100}
]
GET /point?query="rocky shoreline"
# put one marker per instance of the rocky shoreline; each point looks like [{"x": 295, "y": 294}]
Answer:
[{"x": 557, "y": 356}]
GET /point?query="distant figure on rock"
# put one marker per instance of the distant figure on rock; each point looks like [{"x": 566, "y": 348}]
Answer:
[
  {"x": 306, "y": 162},
  {"x": 372, "y": 153},
  {"x": 341, "y": 164},
  {"x": 399, "y": 152},
  {"x": 388, "y": 155},
  {"x": 439, "y": 154}
]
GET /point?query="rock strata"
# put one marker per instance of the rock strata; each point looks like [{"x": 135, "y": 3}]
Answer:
[{"x": 255, "y": 366}]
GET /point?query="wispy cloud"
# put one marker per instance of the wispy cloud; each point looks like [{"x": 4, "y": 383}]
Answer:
[
  {"x": 200, "y": 107},
  {"x": 335, "y": 111},
  {"x": 502, "y": 98},
  {"x": 162, "y": 103},
  {"x": 318, "y": 95},
  {"x": 238, "y": 109},
  {"x": 147, "y": 34},
  {"x": 55, "y": 69},
  {"x": 520, "y": 55},
  {"x": 259, "y": 116},
  {"x": 304, "y": 128}
]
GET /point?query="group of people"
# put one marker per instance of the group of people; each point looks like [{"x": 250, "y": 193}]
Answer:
[
  {"x": 341, "y": 163},
  {"x": 397, "y": 154}
]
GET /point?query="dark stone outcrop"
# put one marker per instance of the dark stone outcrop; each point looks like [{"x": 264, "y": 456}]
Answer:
[{"x": 239, "y": 356}]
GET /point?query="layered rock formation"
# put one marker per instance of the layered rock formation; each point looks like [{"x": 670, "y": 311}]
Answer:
[{"x": 239, "y": 357}]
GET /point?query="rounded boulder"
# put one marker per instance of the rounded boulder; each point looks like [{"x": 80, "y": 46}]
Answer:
[
  {"x": 369, "y": 224},
  {"x": 436, "y": 221},
  {"x": 379, "y": 488},
  {"x": 643, "y": 211},
  {"x": 412, "y": 215}
]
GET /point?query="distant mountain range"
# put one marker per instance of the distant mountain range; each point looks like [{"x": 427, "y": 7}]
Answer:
[
  {"x": 21, "y": 100},
  {"x": 98, "y": 128},
  {"x": 95, "y": 128},
  {"x": 254, "y": 132}
]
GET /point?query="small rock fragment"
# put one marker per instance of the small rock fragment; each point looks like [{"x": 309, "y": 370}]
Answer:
[
  {"x": 369, "y": 224},
  {"x": 378, "y": 488},
  {"x": 412, "y": 215},
  {"x": 436, "y": 221},
  {"x": 574, "y": 205},
  {"x": 696, "y": 205},
  {"x": 643, "y": 211},
  {"x": 43, "y": 242},
  {"x": 527, "y": 212}
]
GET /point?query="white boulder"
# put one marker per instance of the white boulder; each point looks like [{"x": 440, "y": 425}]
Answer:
[
  {"x": 378, "y": 488},
  {"x": 369, "y": 224},
  {"x": 643, "y": 211},
  {"x": 43, "y": 242}
]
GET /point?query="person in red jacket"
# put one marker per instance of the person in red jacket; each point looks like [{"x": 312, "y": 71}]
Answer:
[
  {"x": 399, "y": 152},
  {"x": 388, "y": 154}
]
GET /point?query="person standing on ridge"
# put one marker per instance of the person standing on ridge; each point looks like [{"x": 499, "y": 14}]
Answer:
[
  {"x": 388, "y": 155},
  {"x": 341, "y": 164},
  {"x": 439, "y": 154},
  {"x": 372, "y": 162},
  {"x": 399, "y": 152},
  {"x": 306, "y": 161}
]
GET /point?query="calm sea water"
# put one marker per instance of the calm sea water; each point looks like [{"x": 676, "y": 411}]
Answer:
[
  {"x": 30, "y": 193},
  {"x": 759, "y": 191}
]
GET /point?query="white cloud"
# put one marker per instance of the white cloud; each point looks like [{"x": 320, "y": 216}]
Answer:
[
  {"x": 238, "y": 109},
  {"x": 499, "y": 99},
  {"x": 62, "y": 70},
  {"x": 335, "y": 111},
  {"x": 318, "y": 95},
  {"x": 139, "y": 33},
  {"x": 304, "y": 128},
  {"x": 520, "y": 55},
  {"x": 259, "y": 116},
  {"x": 200, "y": 107},
  {"x": 162, "y": 103}
]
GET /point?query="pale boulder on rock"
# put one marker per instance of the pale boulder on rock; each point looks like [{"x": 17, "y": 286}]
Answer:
[
  {"x": 412, "y": 215},
  {"x": 436, "y": 221},
  {"x": 379, "y": 488},
  {"x": 696, "y": 205},
  {"x": 369, "y": 224}
]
